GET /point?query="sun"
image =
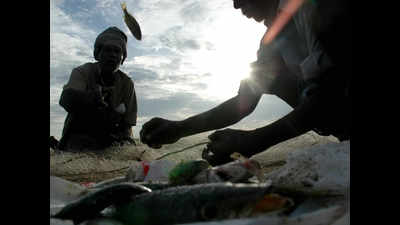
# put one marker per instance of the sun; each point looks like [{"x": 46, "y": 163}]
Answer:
[{"x": 235, "y": 40}]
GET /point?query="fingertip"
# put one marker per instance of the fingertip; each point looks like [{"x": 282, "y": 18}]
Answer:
[{"x": 143, "y": 137}]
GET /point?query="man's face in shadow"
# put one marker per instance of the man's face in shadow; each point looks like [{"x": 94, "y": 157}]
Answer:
[
  {"x": 260, "y": 10},
  {"x": 110, "y": 57}
]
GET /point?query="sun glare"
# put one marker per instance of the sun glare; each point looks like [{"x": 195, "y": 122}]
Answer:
[{"x": 235, "y": 40}]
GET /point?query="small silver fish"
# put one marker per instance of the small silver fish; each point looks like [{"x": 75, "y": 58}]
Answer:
[
  {"x": 240, "y": 170},
  {"x": 131, "y": 22}
]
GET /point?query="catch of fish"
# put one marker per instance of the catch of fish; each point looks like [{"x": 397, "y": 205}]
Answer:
[
  {"x": 194, "y": 192},
  {"x": 130, "y": 203},
  {"x": 191, "y": 203}
]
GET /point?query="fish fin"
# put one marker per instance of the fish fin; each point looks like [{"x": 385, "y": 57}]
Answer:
[{"x": 272, "y": 202}]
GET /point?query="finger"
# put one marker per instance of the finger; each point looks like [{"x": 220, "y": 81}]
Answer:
[
  {"x": 210, "y": 147},
  {"x": 205, "y": 153},
  {"x": 215, "y": 147},
  {"x": 142, "y": 134}
]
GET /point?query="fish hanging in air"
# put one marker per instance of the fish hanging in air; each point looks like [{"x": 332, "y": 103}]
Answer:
[{"x": 131, "y": 22}]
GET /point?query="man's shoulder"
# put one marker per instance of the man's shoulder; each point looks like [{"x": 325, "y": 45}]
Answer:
[
  {"x": 85, "y": 70},
  {"x": 86, "y": 67},
  {"x": 124, "y": 77}
]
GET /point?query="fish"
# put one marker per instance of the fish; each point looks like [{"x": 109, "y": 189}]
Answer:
[
  {"x": 238, "y": 171},
  {"x": 131, "y": 22},
  {"x": 199, "y": 202},
  {"x": 252, "y": 165},
  {"x": 62, "y": 192},
  {"x": 90, "y": 205}
]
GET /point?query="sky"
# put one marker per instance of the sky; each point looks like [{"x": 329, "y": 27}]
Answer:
[{"x": 191, "y": 58}]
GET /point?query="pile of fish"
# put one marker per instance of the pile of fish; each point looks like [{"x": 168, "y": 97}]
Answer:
[{"x": 193, "y": 192}]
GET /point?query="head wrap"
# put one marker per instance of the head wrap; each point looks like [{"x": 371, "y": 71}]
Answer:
[
  {"x": 238, "y": 3},
  {"x": 110, "y": 35}
]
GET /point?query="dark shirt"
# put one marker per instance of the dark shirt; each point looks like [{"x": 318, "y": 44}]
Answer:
[
  {"x": 86, "y": 124},
  {"x": 302, "y": 62}
]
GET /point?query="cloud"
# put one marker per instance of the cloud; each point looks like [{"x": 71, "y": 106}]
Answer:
[
  {"x": 178, "y": 40},
  {"x": 194, "y": 12},
  {"x": 156, "y": 16},
  {"x": 177, "y": 106}
]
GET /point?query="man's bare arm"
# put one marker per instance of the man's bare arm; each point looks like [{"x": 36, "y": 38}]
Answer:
[
  {"x": 225, "y": 114},
  {"x": 299, "y": 121},
  {"x": 160, "y": 131}
]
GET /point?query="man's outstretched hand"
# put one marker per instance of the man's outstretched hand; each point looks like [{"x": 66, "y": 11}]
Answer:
[
  {"x": 225, "y": 142},
  {"x": 158, "y": 131}
]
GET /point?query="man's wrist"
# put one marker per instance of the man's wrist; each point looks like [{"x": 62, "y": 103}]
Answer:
[
  {"x": 179, "y": 129},
  {"x": 257, "y": 138}
]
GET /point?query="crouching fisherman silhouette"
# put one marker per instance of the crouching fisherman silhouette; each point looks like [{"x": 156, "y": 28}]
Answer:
[{"x": 100, "y": 99}]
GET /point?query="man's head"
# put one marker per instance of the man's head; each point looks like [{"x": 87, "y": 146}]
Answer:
[
  {"x": 259, "y": 10},
  {"x": 110, "y": 48}
]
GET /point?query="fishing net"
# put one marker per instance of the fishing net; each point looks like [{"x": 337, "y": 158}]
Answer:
[
  {"x": 115, "y": 161},
  {"x": 97, "y": 166}
]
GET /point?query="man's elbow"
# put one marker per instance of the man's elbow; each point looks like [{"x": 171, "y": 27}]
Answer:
[
  {"x": 65, "y": 100},
  {"x": 245, "y": 108}
]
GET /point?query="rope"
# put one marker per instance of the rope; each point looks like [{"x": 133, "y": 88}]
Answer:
[{"x": 187, "y": 148}]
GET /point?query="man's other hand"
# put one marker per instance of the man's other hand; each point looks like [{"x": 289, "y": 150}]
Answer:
[
  {"x": 158, "y": 131},
  {"x": 225, "y": 142}
]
